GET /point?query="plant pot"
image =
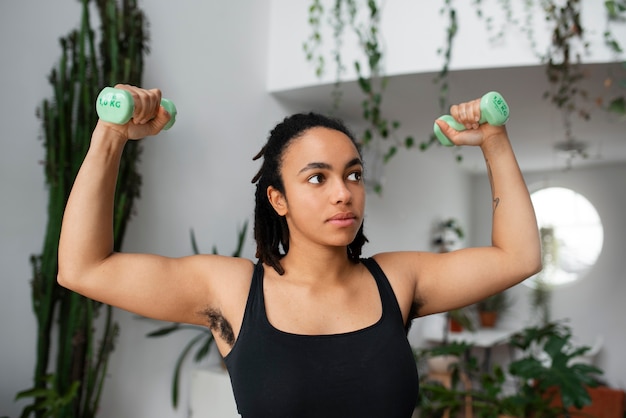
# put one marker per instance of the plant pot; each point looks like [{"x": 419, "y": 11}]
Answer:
[
  {"x": 441, "y": 364},
  {"x": 455, "y": 326},
  {"x": 488, "y": 319}
]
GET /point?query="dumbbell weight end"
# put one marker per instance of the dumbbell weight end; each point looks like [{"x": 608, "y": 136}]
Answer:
[
  {"x": 493, "y": 110},
  {"x": 117, "y": 106}
]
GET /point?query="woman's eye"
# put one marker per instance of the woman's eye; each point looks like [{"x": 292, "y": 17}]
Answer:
[
  {"x": 316, "y": 179},
  {"x": 355, "y": 176}
]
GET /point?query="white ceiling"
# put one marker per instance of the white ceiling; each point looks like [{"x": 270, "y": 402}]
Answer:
[{"x": 535, "y": 126}]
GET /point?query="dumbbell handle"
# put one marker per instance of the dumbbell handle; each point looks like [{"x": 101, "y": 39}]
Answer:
[
  {"x": 493, "y": 110},
  {"x": 117, "y": 106}
]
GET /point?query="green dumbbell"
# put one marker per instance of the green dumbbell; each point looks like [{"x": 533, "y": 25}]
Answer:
[
  {"x": 493, "y": 110},
  {"x": 117, "y": 106}
]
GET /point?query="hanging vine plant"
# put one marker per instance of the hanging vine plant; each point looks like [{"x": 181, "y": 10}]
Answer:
[
  {"x": 371, "y": 78},
  {"x": 562, "y": 59},
  {"x": 616, "y": 13},
  {"x": 442, "y": 77}
]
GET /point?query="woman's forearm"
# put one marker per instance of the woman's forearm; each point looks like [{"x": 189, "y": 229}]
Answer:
[
  {"x": 87, "y": 229},
  {"x": 514, "y": 227}
]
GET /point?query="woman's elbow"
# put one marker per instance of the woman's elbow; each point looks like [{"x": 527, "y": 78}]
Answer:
[
  {"x": 63, "y": 279},
  {"x": 68, "y": 277},
  {"x": 532, "y": 264}
]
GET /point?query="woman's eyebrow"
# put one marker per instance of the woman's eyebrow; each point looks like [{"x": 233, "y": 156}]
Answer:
[
  {"x": 354, "y": 161},
  {"x": 326, "y": 166},
  {"x": 316, "y": 166}
]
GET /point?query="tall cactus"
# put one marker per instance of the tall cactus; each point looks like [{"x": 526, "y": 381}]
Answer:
[{"x": 71, "y": 386}]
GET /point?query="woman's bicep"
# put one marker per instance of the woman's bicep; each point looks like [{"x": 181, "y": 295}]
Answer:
[
  {"x": 463, "y": 277},
  {"x": 168, "y": 289}
]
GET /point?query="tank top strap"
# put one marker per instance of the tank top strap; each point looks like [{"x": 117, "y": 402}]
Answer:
[
  {"x": 387, "y": 295},
  {"x": 255, "y": 305}
]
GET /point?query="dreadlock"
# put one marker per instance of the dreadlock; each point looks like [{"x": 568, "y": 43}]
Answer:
[{"x": 271, "y": 230}]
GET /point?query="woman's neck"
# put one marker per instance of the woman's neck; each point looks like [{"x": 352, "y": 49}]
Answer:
[{"x": 329, "y": 264}]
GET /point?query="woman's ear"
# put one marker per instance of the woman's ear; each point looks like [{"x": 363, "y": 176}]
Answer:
[{"x": 277, "y": 200}]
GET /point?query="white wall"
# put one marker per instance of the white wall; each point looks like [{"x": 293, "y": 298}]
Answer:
[
  {"x": 594, "y": 304},
  {"x": 29, "y": 46},
  {"x": 211, "y": 58},
  {"x": 420, "y": 28}
]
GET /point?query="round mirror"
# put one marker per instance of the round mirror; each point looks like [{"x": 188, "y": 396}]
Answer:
[{"x": 571, "y": 235}]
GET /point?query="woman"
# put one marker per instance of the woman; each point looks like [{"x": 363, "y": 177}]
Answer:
[{"x": 311, "y": 329}]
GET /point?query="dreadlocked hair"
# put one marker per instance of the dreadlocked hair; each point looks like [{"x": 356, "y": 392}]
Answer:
[{"x": 271, "y": 231}]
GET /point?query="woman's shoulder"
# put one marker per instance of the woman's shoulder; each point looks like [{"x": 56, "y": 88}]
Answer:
[
  {"x": 401, "y": 260},
  {"x": 220, "y": 274},
  {"x": 220, "y": 267},
  {"x": 405, "y": 267}
]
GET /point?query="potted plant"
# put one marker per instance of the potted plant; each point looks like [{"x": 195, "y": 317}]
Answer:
[
  {"x": 541, "y": 294},
  {"x": 548, "y": 383},
  {"x": 203, "y": 337},
  {"x": 492, "y": 308},
  {"x": 72, "y": 353},
  {"x": 459, "y": 319},
  {"x": 447, "y": 235}
]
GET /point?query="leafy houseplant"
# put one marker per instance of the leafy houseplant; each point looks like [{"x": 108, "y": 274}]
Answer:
[
  {"x": 203, "y": 338},
  {"x": 541, "y": 293},
  {"x": 492, "y": 307},
  {"x": 71, "y": 384},
  {"x": 616, "y": 11},
  {"x": 447, "y": 235},
  {"x": 543, "y": 372}
]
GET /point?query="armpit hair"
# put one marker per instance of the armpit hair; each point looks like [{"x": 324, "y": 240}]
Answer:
[
  {"x": 413, "y": 313},
  {"x": 219, "y": 325}
]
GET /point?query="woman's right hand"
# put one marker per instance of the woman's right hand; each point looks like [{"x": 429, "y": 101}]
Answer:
[{"x": 148, "y": 119}]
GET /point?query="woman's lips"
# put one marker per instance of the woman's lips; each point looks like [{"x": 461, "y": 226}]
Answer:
[{"x": 343, "y": 219}]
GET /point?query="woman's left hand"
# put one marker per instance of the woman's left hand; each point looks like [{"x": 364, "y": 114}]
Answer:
[{"x": 475, "y": 134}]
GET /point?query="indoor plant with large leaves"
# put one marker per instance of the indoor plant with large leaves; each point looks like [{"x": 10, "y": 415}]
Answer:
[
  {"x": 71, "y": 362},
  {"x": 548, "y": 380}
]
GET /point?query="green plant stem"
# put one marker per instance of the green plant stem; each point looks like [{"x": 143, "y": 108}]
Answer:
[{"x": 71, "y": 385}]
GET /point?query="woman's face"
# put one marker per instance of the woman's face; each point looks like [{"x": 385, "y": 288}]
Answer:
[{"x": 324, "y": 197}]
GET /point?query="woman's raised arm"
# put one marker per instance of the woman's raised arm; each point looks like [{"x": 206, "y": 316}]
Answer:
[
  {"x": 149, "y": 285},
  {"x": 442, "y": 282}
]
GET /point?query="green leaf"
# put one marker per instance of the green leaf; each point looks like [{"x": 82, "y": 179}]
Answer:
[
  {"x": 205, "y": 349},
  {"x": 367, "y": 136},
  {"x": 194, "y": 244},
  {"x": 241, "y": 239},
  {"x": 365, "y": 85},
  {"x": 618, "y": 106},
  {"x": 527, "y": 368},
  {"x": 164, "y": 331},
  {"x": 554, "y": 345},
  {"x": 33, "y": 393},
  {"x": 178, "y": 368},
  {"x": 172, "y": 328},
  {"x": 390, "y": 153}
]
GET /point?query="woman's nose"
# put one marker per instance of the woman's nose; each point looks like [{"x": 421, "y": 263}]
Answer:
[{"x": 341, "y": 192}]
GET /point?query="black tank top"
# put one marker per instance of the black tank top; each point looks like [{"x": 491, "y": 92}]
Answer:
[{"x": 365, "y": 373}]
